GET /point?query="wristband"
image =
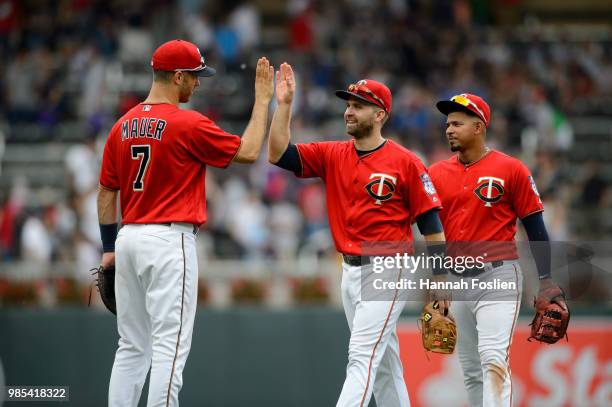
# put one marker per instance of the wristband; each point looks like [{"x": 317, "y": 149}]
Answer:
[{"x": 109, "y": 235}]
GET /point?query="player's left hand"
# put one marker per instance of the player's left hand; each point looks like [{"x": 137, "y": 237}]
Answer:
[
  {"x": 442, "y": 296},
  {"x": 552, "y": 314},
  {"x": 105, "y": 282},
  {"x": 438, "y": 330},
  {"x": 548, "y": 285},
  {"x": 108, "y": 259},
  {"x": 285, "y": 84},
  {"x": 439, "y": 295}
]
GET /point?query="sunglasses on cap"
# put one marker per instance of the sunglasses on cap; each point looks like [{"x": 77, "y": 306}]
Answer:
[
  {"x": 353, "y": 87},
  {"x": 463, "y": 101}
]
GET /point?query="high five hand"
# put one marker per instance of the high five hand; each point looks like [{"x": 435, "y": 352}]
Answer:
[
  {"x": 285, "y": 84},
  {"x": 264, "y": 80}
]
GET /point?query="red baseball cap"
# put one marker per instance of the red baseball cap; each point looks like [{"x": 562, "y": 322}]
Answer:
[
  {"x": 369, "y": 91},
  {"x": 180, "y": 55},
  {"x": 466, "y": 102}
]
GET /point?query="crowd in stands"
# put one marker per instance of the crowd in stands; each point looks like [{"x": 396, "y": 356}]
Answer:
[{"x": 87, "y": 61}]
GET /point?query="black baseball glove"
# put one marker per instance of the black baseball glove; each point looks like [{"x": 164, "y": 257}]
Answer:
[{"x": 105, "y": 281}]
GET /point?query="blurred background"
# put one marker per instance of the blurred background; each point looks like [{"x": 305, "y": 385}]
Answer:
[{"x": 271, "y": 330}]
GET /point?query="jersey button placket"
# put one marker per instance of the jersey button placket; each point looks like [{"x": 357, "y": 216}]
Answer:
[
  {"x": 355, "y": 188},
  {"x": 464, "y": 182}
]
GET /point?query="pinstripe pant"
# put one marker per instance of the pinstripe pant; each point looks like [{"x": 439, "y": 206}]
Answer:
[
  {"x": 156, "y": 291},
  {"x": 485, "y": 327},
  {"x": 374, "y": 364}
]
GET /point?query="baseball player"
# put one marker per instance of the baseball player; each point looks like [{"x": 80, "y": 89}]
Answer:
[
  {"x": 375, "y": 190},
  {"x": 156, "y": 156},
  {"x": 483, "y": 192}
]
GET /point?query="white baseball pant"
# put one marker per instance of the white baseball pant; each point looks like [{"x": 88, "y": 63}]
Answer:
[
  {"x": 156, "y": 290},
  {"x": 485, "y": 327},
  {"x": 374, "y": 363}
]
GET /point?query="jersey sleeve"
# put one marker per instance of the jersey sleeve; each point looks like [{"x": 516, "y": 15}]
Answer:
[
  {"x": 314, "y": 158},
  {"x": 211, "y": 145},
  {"x": 525, "y": 196},
  {"x": 420, "y": 193},
  {"x": 434, "y": 173},
  {"x": 109, "y": 173}
]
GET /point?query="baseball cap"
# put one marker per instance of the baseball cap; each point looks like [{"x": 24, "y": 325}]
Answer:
[
  {"x": 369, "y": 91},
  {"x": 466, "y": 102},
  {"x": 180, "y": 55}
]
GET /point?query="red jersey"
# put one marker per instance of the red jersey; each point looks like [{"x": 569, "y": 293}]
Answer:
[
  {"x": 481, "y": 201},
  {"x": 372, "y": 198},
  {"x": 156, "y": 155}
]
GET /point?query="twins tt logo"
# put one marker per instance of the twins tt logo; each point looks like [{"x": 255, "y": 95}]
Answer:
[
  {"x": 384, "y": 185},
  {"x": 490, "y": 189}
]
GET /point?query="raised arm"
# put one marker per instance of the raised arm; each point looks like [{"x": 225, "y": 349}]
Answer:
[
  {"x": 253, "y": 135},
  {"x": 280, "y": 133}
]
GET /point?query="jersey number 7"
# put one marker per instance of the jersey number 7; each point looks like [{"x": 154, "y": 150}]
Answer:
[{"x": 142, "y": 152}]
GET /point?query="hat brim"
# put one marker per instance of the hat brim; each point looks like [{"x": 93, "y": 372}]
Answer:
[
  {"x": 446, "y": 107},
  {"x": 343, "y": 94},
  {"x": 206, "y": 71}
]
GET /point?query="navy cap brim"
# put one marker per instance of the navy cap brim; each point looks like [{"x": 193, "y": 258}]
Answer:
[
  {"x": 446, "y": 107},
  {"x": 206, "y": 71},
  {"x": 343, "y": 94}
]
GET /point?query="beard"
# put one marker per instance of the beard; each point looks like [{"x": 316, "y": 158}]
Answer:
[
  {"x": 454, "y": 146},
  {"x": 184, "y": 95},
  {"x": 185, "y": 92},
  {"x": 361, "y": 130}
]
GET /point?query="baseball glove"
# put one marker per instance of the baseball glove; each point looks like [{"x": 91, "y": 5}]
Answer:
[
  {"x": 105, "y": 281},
  {"x": 438, "y": 331},
  {"x": 552, "y": 316}
]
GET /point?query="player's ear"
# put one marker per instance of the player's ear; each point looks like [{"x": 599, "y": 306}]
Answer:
[
  {"x": 177, "y": 78},
  {"x": 381, "y": 116}
]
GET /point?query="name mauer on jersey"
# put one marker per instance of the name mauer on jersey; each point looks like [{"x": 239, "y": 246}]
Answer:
[
  {"x": 143, "y": 127},
  {"x": 163, "y": 185}
]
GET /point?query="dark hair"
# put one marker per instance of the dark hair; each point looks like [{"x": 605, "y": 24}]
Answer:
[{"x": 163, "y": 76}]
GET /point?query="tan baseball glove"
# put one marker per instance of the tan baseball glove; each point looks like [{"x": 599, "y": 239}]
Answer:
[{"x": 438, "y": 331}]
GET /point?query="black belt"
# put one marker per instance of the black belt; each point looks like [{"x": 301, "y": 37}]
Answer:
[
  {"x": 195, "y": 228},
  {"x": 356, "y": 261},
  {"x": 477, "y": 271}
]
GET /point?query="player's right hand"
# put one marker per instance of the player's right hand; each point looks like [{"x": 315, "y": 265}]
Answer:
[
  {"x": 264, "y": 81},
  {"x": 285, "y": 84}
]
